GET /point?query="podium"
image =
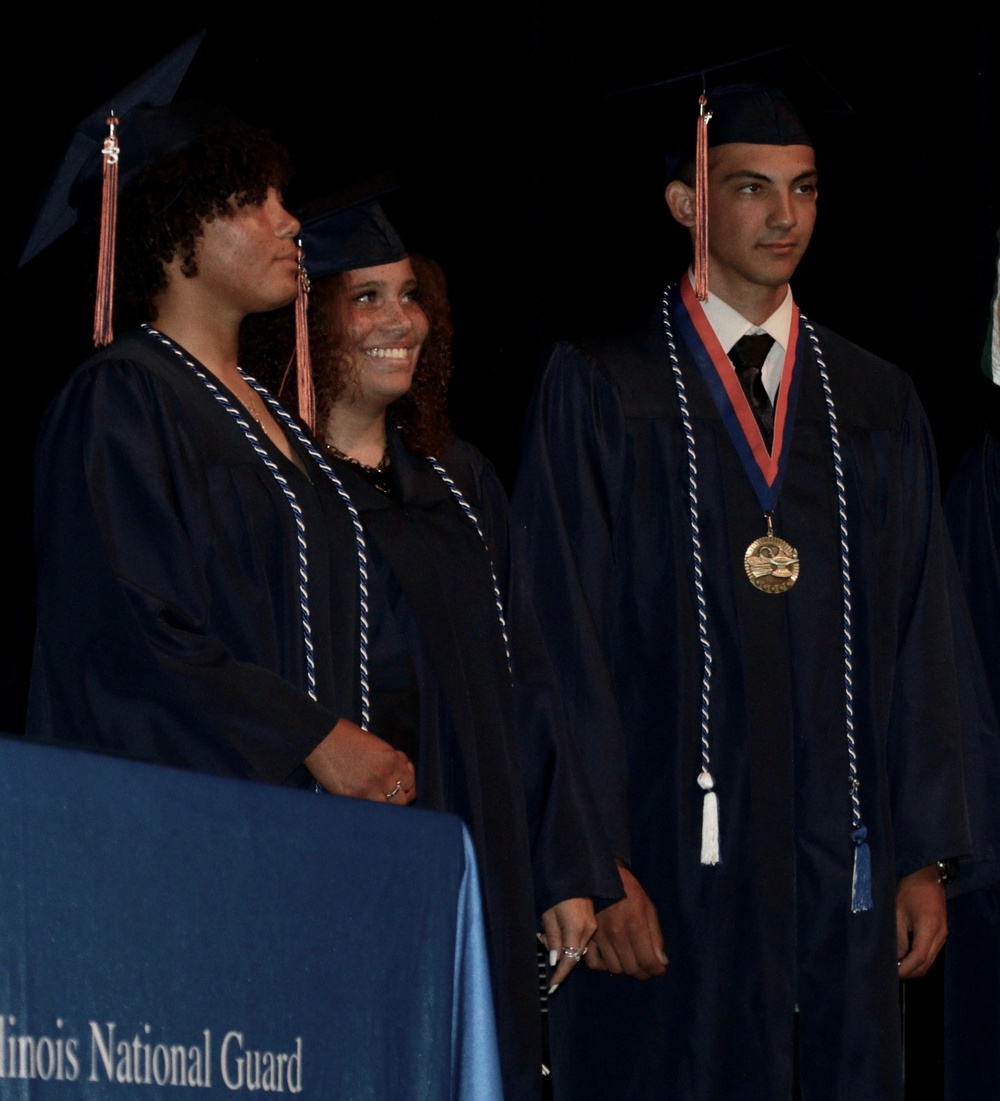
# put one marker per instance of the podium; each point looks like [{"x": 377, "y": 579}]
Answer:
[{"x": 166, "y": 934}]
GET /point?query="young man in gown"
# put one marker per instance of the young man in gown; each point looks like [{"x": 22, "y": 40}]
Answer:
[{"x": 743, "y": 588}]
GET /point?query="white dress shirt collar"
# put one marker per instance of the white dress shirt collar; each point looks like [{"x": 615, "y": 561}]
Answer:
[{"x": 729, "y": 325}]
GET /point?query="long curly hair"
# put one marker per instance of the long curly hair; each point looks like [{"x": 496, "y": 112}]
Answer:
[
  {"x": 267, "y": 344},
  {"x": 162, "y": 212}
]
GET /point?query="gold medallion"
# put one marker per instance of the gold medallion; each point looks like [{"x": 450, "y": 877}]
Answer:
[{"x": 772, "y": 564}]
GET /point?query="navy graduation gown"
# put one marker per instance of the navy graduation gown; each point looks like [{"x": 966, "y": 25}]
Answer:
[
  {"x": 972, "y": 954},
  {"x": 169, "y": 629},
  {"x": 490, "y": 743},
  {"x": 168, "y": 621},
  {"x": 602, "y": 495}
]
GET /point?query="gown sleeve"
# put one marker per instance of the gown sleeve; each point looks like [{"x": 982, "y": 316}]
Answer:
[
  {"x": 570, "y": 853},
  {"x": 925, "y": 713},
  {"x": 567, "y": 493},
  {"x": 972, "y": 511},
  {"x": 159, "y": 632}
]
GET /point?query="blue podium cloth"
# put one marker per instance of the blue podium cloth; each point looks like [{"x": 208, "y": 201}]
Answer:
[{"x": 164, "y": 932}]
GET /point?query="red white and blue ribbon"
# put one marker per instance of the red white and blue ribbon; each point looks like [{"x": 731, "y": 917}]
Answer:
[{"x": 764, "y": 469}]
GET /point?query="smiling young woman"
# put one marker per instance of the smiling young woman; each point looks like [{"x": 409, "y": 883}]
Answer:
[
  {"x": 459, "y": 680},
  {"x": 381, "y": 329}
]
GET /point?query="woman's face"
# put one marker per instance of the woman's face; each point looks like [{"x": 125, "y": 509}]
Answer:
[
  {"x": 381, "y": 330},
  {"x": 247, "y": 257}
]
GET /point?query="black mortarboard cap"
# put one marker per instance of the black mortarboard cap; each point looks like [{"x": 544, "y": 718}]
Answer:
[
  {"x": 756, "y": 114},
  {"x": 349, "y": 231},
  {"x": 150, "y": 133},
  {"x": 147, "y": 133},
  {"x": 761, "y": 99},
  {"x": 753, "y": 113}
]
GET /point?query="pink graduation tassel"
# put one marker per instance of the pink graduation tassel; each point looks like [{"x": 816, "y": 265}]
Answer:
[
  {"x": 303, "y": 373},
  {"x": 104, "y": 301},
  {"x": 701, "y": 201}
]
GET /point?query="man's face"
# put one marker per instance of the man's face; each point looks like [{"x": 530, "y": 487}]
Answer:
[{"x": 761, "y": 213}]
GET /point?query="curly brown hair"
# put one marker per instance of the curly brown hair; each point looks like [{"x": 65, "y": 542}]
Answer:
[
  {"x": 162, "y": 212},
  {"x": 267, "y": 344}
]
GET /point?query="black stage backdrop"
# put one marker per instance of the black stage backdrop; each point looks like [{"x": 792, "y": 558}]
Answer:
[{"x": 541, "y": 197}]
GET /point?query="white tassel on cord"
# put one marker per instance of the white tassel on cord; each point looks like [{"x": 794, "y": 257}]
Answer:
[{"x": 709, "y": 820}]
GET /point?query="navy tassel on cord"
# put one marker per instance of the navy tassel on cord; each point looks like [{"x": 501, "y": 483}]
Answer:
[{"x": 861, "y": 887}]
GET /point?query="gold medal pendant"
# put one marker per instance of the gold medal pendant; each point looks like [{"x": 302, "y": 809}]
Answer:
[{"x": 772, "y": 564}]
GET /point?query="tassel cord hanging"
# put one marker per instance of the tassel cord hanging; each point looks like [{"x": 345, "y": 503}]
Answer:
[
  {"x": 104, "y": 300},
  {"x": 701, "y": 201},
  {"x": 303, "y": 371}
]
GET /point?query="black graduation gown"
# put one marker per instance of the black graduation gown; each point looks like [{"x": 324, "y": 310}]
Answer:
[
  {"x": 169, "y": 629},
  {"x": 168, "y": 620},
  {"x": 603, "y": 497},
  {"x": 972, "y": 954},
  {"x": 442, "y": 691}
]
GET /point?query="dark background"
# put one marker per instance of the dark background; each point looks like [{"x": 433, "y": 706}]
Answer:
[
  {"x": 539, "y": 193},
  {"x": 541, "y": 197}
]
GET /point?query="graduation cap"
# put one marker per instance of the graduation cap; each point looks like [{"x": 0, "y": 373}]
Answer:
[
  {"x": 342, "y": 232},
  {"x": 349, "y": 231},
  {"x": 107, "y": 150},
  {"x": 749, "y": 99}
]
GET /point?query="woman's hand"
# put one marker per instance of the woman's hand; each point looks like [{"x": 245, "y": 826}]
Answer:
[
  {"x": 351, "y": 761},
  {"x": 567, "y": 927}
]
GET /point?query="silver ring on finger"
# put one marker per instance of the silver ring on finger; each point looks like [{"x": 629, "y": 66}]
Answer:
[
  {"x": 395, "y": 791},
  {"x": 574, "y": 954}
]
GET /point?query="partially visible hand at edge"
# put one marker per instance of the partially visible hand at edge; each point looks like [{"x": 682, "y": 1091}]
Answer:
[
  {"x": 921, "y": 921},
  {"x": 628, "y": 940}
]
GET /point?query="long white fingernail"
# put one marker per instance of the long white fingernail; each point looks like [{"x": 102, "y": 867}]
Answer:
[
  {"x": 553, "y": 988},
  {"x": 553, "y": 957}
]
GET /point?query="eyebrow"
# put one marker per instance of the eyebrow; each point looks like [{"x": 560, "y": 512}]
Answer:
[
  {"x": 381, "y": 284},
  {"x": 749, "y": 174}
]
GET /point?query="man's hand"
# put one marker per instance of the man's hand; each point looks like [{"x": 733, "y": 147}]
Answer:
[
  {"x": 350, "y": 761},
  {"x": 628, "y": 940},
  {"x": 569, "y": 924},
  {"x": 921, "y": 921}
]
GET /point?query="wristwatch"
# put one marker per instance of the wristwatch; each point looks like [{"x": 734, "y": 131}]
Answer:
[{"x": 947, "y": 870}]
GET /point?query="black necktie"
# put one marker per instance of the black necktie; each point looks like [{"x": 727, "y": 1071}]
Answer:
[{"x": 748, "y": 355}]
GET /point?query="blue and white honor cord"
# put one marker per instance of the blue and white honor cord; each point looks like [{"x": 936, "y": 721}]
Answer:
[
  {"x": 861, "y": 884},
  {"x": 861, "y": 893},
  {"x": 464, "y": 505},
  {"x": 710, "y": 853},
  {"x": 300, "y": 528}
]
